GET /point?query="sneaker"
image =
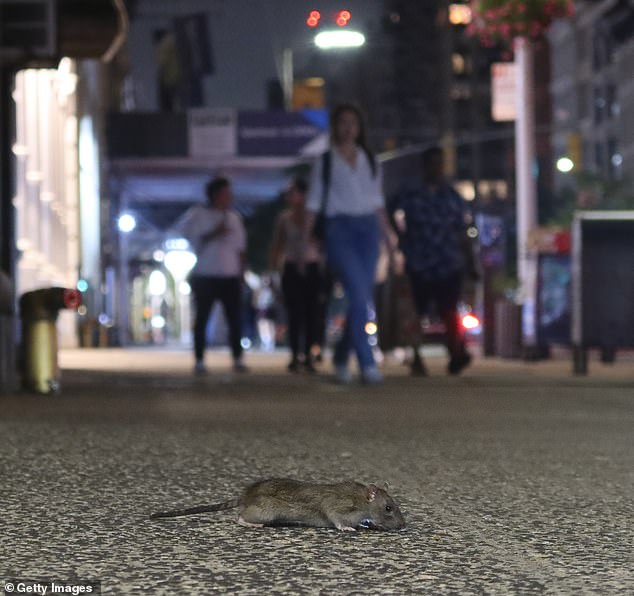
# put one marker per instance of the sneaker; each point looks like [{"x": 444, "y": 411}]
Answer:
[
  {"x": 200, "y": 368},
  {"x": 309, "y": 367},
  {"x": 240, "y": 367},
  {"x": 342, "y": 374},
  {"x": 293, "y": 366},
  {"x": 418, "y": 369},
  {"x": 371, "y": 376},
  {"x": 458, "y": 363}
]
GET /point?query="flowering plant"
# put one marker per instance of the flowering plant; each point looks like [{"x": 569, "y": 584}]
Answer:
[{"x": 499, "y": 21}]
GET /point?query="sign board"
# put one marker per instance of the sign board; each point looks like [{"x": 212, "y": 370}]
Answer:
[
  {"x": 503, "y": 106},
  {"x": 278, "y": 133},
  {"x": 212, "y": 132}
]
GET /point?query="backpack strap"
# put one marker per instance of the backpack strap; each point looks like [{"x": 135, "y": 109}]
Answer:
[
  {"x": 326, "y": 166},
  {"x": 371, "y": 160}
]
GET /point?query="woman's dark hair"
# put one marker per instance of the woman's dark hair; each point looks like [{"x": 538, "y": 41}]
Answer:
[
  {"x": 431, "y": 153},
  {"x": 214, "y": 186},
  {"x": 300, "y": 184},
  {"x": 341, "y": 109}
]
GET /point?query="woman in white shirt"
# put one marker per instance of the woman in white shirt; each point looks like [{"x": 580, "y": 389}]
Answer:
[{"x": 350, "y": 196}]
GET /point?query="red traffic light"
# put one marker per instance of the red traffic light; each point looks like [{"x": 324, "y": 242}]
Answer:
[
  {"x": 343, "y": 16},
  {"x": 313, "y": 18}
]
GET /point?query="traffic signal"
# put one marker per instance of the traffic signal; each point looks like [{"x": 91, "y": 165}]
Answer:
[
  {"x": 313, "y": 18},
  {"x": 343, "y": 16}
]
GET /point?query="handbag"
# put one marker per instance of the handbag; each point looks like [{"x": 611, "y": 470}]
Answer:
[{"x": 398, "y": 321}]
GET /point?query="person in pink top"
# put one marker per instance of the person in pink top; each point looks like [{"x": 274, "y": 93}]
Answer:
[{"x": 299, "y": 258}]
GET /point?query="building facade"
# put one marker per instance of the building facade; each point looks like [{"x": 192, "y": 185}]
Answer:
[{"x": 593, "y": 91}]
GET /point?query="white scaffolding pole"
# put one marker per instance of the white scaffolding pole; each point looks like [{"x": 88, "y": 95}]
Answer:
[{"x": 526, "y": 191}]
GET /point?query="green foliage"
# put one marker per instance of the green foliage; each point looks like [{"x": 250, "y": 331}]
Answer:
[
  {"x": 496, "y": 21},
  {"x": 591, "y": 191}
]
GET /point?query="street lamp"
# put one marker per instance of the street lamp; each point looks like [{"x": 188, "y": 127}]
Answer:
[{"x": 340, "y": 38}]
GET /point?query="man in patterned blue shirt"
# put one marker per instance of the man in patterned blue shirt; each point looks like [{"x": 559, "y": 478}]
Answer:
[{"x": 429, "y": 218}]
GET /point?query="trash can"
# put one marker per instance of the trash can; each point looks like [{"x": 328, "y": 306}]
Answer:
[
  {"x": 38, "y": 313},
  {"x": 508, "y": 329}
]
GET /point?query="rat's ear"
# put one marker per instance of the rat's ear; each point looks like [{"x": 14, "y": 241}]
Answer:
[
  {"x": 373, "y": 489},
  {"x": 386, "y": 486}
]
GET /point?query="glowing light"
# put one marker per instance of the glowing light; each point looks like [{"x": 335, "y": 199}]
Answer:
[
  {"x": 313, "y": 18},
  {"x": 126, "y": 223},
  {"x": 565, "y": 164},
  {"x": 157, "y": 283},
  {"x": 82, "y": 285},
  {"x": 459, "y": 14},
  {"x": 158, "y": 322},
  {"x": 371, "y": 328},
  {"x": 176, "y": 244},
  {"x": 343, "y": 17},
  {"x": 245, "y": 342},
  {"x": 184, "y": 288},
  {"x": 180, "y": 262},
  {"x": 341, "y": 38},
  {"x": 470, "y": 321}
]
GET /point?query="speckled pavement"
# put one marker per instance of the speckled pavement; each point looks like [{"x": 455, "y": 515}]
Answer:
[{"x": 513, "y": 478}]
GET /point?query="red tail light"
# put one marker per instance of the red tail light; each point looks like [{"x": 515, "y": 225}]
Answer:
[{"x": 470, "y": 321}]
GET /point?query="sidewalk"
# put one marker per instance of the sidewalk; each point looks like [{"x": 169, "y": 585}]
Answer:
[{"x": 514, "y": 478}]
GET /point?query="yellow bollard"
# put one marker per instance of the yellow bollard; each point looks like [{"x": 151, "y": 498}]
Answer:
[
  {"x": 41, "y": 372},
  {"x": 38, "y": 311}
]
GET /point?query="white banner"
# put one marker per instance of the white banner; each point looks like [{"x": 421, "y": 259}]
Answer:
[{"x": 503, "y": 107}]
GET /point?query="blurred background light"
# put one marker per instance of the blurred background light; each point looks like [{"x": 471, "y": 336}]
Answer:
[
  {"x": 565, "y": 164},
  {"x": 342, "y": 38},
  {"x": 126, "y": 223}
]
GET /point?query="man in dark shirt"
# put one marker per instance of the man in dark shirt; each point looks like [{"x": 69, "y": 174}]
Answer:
[{"x": 429, "y": 218}]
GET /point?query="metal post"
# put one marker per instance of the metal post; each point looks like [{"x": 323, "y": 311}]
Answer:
[
  {"x": 287, "y": 78},
  {"x": 8, "y": 377},
  {"x": 123, "y": 323},
  {"x": 526, "y": 195}
]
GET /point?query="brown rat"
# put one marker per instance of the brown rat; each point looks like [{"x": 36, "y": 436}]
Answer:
[{"x": 281, "y": 501}]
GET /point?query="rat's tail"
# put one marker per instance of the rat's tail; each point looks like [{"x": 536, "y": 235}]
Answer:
[{"x": 233, "y": 503}]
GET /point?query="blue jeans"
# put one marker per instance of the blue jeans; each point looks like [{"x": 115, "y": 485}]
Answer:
[{"x": 352, "y": 247}]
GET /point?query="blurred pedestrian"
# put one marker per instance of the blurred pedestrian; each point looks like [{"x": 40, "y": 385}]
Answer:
[
  {"x": 438, "y": 252},
  {"x": 345, "y": 193},
  {"x": 265, "y": 312},
  {"x": 298, "y": 255},
  {"x": 218, "y": 237}
]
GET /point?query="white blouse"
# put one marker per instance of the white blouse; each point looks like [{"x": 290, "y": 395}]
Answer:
[{"x": 353, "y": 190}]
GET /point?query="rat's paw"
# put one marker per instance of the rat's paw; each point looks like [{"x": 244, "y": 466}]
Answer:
[{"x": 247, "y": 524}]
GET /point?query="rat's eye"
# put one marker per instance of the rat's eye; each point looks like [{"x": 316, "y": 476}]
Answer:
[{"x": 388, "y": 508}]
